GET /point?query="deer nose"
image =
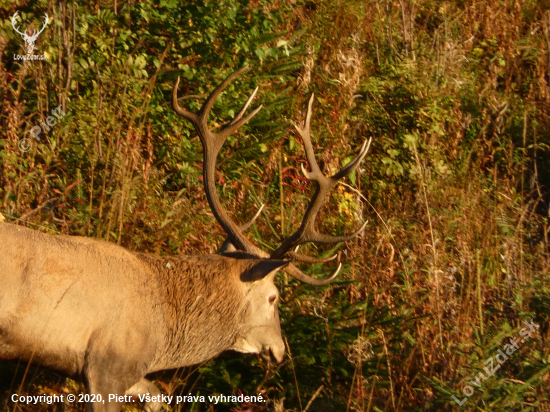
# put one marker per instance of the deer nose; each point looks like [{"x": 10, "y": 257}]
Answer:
[{"x": 274, "y": 353}]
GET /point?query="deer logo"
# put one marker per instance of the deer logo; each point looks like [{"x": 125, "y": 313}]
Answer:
[{"x": 29, "y": 40}]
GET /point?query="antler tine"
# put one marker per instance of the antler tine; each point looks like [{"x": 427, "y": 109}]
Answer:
[
  {"x": 228, "y": 246},
  {"x": 306, "y": 232},
  {"x": 300, "y": 257},
  {"x": 351, "y": 166},
  {"x": 231, "y": 127},
  {"x": 321, "y": 238},
  {"x": 200, "y": 119},
  {"x": 243, "y": 110},
  {"x": 192, "y": 117},
  {"x": 306, "y": 138},
  {"x": 237, "y": 122},
  {"x": 247, "y": 225},
  {"x": 207, "y": 105},
  {"x": 302, "y": 277}
]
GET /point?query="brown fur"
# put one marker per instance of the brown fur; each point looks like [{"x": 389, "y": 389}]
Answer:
[{"x": 89, "y": 307}]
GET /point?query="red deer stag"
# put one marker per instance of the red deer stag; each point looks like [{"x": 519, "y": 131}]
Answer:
[{"x": 90, "y": 308}]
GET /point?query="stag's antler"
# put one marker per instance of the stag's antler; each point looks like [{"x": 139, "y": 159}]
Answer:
[
  {"x": 35, "y": 33},
  {"x": 306, "y": 232},
  {"x": 13, "y": 19},
  {"x": 212, "y": 143},
  {"x": 46, "y": 19}
]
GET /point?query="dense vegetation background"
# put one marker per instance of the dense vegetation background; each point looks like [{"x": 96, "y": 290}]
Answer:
[{"x": 456, "y": 187}]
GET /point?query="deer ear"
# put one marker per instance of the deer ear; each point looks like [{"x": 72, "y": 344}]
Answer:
[{"x": 262, "y": 268}]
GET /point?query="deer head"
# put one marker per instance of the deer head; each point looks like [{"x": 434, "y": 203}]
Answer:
[
  {"x": 30, "y": 40},
  {"x": 288, "y": 250}
]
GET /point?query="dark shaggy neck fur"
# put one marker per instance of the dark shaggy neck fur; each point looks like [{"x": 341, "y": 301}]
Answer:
[{"x": 202, "y": 303}]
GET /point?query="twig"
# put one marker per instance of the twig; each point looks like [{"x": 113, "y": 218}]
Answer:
[
  {"x": 389, "y": 367},
  {"x": 317, "y": 392},
  {"x": 434, "y": 262},
  {"x": 42, "y": 206},
  {"x": 382, "y": 220},
  {"x": 294, "y": 373}
]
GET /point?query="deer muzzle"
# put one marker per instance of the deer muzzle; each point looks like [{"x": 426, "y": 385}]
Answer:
[{"x": 274, "y": 353}]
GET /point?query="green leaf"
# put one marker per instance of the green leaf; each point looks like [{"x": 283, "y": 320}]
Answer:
[{"x": 260, "y": 53}]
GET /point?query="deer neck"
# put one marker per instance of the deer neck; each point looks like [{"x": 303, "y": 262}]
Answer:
[{"x": 200, "y": 307}]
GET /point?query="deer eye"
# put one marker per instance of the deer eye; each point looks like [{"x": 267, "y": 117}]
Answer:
[{"x": 272, "y": 299}]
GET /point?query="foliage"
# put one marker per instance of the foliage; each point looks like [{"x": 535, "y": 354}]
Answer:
[{"x": 456, "y": 257}]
